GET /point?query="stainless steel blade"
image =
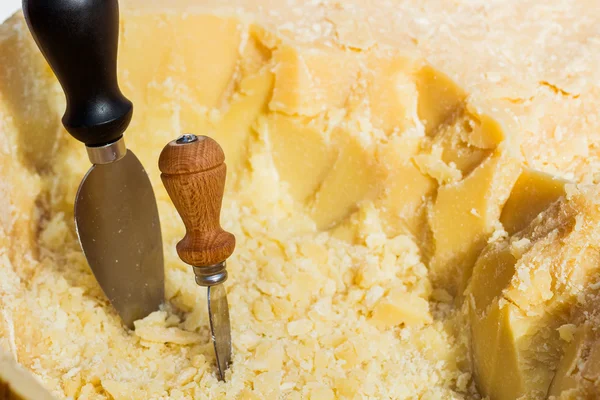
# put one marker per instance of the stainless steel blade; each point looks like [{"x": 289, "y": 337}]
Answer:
[
  {"x": 119, "y": 230},
  {"x": 220, "y": 327}
]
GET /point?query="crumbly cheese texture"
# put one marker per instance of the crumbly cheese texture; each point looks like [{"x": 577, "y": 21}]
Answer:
[{"x": 381, "y": 163}]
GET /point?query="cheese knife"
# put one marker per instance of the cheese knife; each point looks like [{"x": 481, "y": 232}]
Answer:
[
  {"x": 116, "y": 215},
  {"x": 193, "y": 172}
]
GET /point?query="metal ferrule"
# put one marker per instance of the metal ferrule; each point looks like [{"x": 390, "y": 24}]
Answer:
[
  {"x": 211, "y": 275},
  {"x": 108, "y": 153}
]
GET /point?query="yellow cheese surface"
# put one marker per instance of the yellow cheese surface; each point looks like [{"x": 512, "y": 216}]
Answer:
[
  {"x": 400, "y": 187},
  {"x": 544, "y": 277}
]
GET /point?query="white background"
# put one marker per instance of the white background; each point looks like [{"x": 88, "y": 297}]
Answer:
[{"x": 8, "y": 7}]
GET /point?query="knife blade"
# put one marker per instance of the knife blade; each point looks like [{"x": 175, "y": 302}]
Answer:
[
  {"x": 193, "y": 172},
  {"x": 220, "y": 326},
  {"x": 116, "y": 216}
]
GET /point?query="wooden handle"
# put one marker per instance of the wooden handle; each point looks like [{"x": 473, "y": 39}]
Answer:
[{"x": 193, "y": 172}]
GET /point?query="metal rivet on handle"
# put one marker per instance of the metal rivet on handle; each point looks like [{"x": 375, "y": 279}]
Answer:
[{"x": 187, "y": 138}]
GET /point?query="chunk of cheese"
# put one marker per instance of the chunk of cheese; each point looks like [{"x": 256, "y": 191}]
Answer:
[
  {"x": 525, "y": 292},
  {"x": 464, "y": 216},
  {"x": 369, "y": 166},
  {"x": 534, "y": 191}
]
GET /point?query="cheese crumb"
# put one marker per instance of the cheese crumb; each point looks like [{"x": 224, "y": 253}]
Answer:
[
  {"x": 300, "y": 327},
  {"x": 566, "y": 332}
]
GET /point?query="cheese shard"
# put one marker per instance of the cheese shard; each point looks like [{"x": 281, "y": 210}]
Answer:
[
  {"x": 465, "y": 214},
  {"x": 534, "y": 191},
  {"x": 525, "y": 289},
  {"x": 577, "y": 372},
  {"x": 407, "y": 190},
  {"x": 440, "y": 98}
]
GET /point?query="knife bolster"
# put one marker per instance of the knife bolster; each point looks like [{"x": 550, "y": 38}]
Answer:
[
  {"x": 108, "y": 153},
  {"x": 211, "y": 275}
]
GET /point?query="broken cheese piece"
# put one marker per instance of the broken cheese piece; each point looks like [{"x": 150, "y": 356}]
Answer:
[
  {"x": 398, "y": 307},
  {"x": 465, "y": 214},
  {"x": 439, "y": 98},
  {"x": 534, "y": 191},
  {"x": 524, "y": 289},
  {"x": 156, "y": 328},
  {"x": 578, "y": 374}
]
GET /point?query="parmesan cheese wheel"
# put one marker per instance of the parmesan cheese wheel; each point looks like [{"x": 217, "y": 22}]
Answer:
[{"x": 411, "y": 187}]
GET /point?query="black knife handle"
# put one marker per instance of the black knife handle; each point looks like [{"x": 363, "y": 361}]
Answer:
[{"x": 79, "y": 39}]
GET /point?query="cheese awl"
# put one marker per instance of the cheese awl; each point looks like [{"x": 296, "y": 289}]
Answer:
[
  {"x": 116, "y": 215},
  {"x": 193, "y": 172}
]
